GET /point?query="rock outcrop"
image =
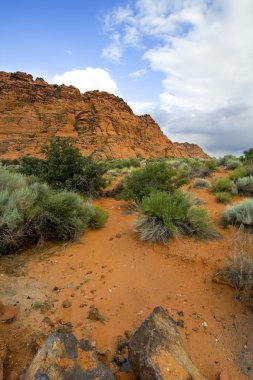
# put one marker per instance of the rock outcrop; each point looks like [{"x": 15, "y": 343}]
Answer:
[
  {"x": 63, "y": 357},
  {"x": 156, "y": 350},
  {"x": 32, "y": 111}
]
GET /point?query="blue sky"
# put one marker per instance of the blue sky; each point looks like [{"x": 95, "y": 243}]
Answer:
[{"x": 186, "y": 62}]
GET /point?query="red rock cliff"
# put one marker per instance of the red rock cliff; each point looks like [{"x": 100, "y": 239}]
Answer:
[{"x": 32, "y": 111}]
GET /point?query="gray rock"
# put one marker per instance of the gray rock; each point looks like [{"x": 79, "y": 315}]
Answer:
[
  {"x": 156, "y": 350},
  {"x": 63, "y": 357}
]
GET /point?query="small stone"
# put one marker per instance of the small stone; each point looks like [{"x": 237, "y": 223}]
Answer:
[
  {"x": 66, "y": 304},
  {"x": 94, "y": 314},
  {"x": 204, "y": 324},
  {"x": 180, "y": 323},
  {"x": 7, "y": 312},
  {"x": 118, "y": 236}
]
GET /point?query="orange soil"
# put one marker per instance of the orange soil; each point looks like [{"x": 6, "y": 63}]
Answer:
[{"x": 125, "y": 279}]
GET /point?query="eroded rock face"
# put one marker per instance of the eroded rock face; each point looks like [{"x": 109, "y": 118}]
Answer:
[
  {"x": 63, "y": 357},
  {"x": 32, "y": 111},
  {"x": 156, "y": 350}
]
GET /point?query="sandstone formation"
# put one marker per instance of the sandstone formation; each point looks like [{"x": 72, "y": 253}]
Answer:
[
  {"x": 32, "y": 111},
  {"x": 156, "y": 350}
]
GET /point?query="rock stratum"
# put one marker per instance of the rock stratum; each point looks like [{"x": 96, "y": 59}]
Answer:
[{"x": 32, "y": 112}]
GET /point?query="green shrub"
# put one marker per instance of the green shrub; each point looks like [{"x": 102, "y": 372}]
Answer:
[
  {"x": 203, "y": 172},
  {"x": 233, "y": 164},
  {"x": 247, "y": 156},
  {"x": 97, "y": 216},
  {"x": 239, "y": 215},
  {"x": 200, "y": 183},
  {"x": 211, "y": 164},
  {"x": 32, "y": 166},
  {"x": 64, "y": 167},
  {"x": 154, "y": 176},
  {"x": 238, "y": 173},
  {"x": 200, "y": 224},
  {"x": 221, "y": 185},
  {"x": 223, "y": 197},
  {"x": 223, "y": 161},
  {"x": 10, "y": 162},
  {"x": 164, "y": 215},
  {"x": 32, "y": 212},
  {"x": 245, "y": 185},
  {"x": 123, "y": 163}
]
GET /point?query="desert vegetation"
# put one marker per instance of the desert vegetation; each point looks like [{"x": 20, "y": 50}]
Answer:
[
  {"x": 31, "y": 211},
  {"x": 239, "y": 215},
  {"x": 164, "y": 215},
  {"x": 64, "y": 167}
]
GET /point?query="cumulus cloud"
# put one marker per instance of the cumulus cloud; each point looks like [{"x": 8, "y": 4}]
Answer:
[
  {"x": 87, "y": 79},
  {"x": 204, "y": 50}
]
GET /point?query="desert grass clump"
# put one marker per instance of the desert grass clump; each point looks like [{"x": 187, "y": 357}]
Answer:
[
  {"x": 31, "y": 212},
  {"x": 221, "y": 185},
  {"x": 239, "y": 273},
  {"x": 223, "y": 197},
  {"x": 164, "y": 215},
  {"x": 97, "y": 216},
  {"x": 239, "y": 215},
  {"x": 201, "y": 183}
]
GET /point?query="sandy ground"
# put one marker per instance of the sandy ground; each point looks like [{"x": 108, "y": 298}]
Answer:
[{"x": 125, "y": 279}]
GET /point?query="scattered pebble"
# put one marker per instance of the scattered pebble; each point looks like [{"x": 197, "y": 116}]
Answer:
[{"x": 66, "y": 304}]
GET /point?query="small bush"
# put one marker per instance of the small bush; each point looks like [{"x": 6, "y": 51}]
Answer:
[
  {"x": 123, "y": 163},
  {"x": 223, "y": 161},
  {"x": 200, "y": 183},
  {"x": 97, "y": 216},
  {"x": 32, "y": 212},
  {"x": 233, "y": 164},
  {"x": 204, "y": 172},
  {"x": 211, "y": 164},
  {"x": 245, "y": 185},
  {"x": 164, "y": 215},
  {"x": 223, "y": 197},
  {"x": 221, "y": 185},
  {"x": 66, "y": 168},
  {"x": 239, "y": 215},
  {"x": 239, "y": 172},
  {"x": 154, "y": 176}
]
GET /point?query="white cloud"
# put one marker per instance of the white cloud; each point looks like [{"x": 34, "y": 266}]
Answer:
[
  {"x": 88, "y": 79},
  {"x": 204, "y": 50},
  {"x": 141, "y": 108},
  {"x": 138, "y": 73}
]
